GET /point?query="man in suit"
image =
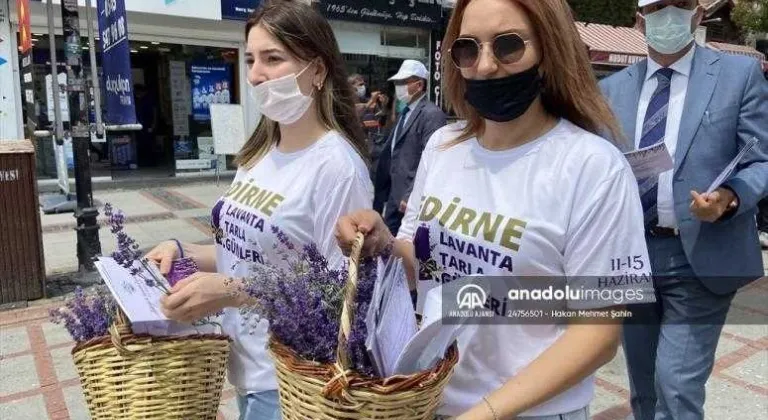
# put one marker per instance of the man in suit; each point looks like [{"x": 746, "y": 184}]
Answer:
[
  {"x": 400, "y": 158},
  {"x": 705, "y": 106}
]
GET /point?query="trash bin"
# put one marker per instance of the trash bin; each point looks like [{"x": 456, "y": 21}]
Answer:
[{"x": 22, "y": 269}]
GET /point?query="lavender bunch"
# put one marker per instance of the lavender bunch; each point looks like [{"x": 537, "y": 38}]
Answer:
[
  {"x": 129, "y": 257},
  {"x": 302, "y": 300},
  {"x": 86, "y": 315},
  {"x": 128, "y": 254}
]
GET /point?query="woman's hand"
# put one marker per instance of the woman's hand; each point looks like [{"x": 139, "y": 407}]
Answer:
[
  {"x": 198, "y": 296},
  {"x": 163, "y": 255},
  {"x": 378, "y": 238}
]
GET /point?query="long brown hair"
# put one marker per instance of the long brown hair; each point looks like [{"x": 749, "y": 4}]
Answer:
[
  {"x": 307, "y": 36},
  {"x": 570, "y": 87}
]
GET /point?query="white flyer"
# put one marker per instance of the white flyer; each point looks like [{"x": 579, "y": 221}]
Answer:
[
  {"x": 140, "y": 302},
  {"x": 731, "y": 166},
  {"x": 650, "y": 161},
  {"x": 228, "y": 126}
]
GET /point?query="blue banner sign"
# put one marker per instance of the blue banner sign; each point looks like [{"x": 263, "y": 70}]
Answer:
[
  {"x": 116, "y": 61},
  {"x": 238, "y": 9}
]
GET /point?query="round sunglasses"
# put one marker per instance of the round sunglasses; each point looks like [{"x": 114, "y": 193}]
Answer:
[{"x": 507, "y": 48}]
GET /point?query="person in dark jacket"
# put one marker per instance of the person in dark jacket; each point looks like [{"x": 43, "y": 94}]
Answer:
[{"x": 400, "y": 158}]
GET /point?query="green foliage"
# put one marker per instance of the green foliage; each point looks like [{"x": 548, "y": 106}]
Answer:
[
  {"x": 609, "y": 12},
  {"x": 751, "y": 15}
]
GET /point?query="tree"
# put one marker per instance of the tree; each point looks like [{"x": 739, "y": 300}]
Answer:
[
  {"x": 751, "y": 15},
  {"x": 609, "y": 12}
]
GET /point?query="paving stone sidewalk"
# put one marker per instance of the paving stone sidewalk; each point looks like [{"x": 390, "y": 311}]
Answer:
[{"x": 38, "y": 380}]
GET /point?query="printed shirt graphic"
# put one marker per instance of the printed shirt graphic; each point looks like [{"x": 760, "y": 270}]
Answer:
[
  {"x": 561, "y": 206},
  {"x": 303, "y": 193}
]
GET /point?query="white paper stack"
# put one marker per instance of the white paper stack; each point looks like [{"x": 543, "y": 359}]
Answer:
[
  {"x": 141, "y": 303},
  {"x": 395, "y": 343},
  {"x": 391, "y": 320}
]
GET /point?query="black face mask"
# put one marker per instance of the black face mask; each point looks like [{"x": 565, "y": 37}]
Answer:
[{"x": 507, "y": 98}]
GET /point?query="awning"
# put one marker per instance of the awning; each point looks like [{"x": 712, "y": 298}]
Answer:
[
  {"x": 737, "y": 49},
  {"x": 612, "y": 45}
]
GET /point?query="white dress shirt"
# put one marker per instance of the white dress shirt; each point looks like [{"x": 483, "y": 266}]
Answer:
[
  {"x": 411, "y": 107},
  {"x": 678, "y": 92}
]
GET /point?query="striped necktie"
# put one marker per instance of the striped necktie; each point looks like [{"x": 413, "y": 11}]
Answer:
[{"x": 654, "y": 128}]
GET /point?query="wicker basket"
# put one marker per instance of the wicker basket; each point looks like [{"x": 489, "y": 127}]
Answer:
[
  {"x": 155, "y": 378},
  {"x": 310, "y": 390}
]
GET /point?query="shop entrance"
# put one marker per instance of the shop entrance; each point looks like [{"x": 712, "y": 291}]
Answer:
[
  {"x": 173, "y": 116},
  {"x": 174, "y": 86}
]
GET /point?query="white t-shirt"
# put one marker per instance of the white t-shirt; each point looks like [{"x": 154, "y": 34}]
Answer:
[
  {"x": 303, "y": 193},
  {"x": 563, "y": 205}
]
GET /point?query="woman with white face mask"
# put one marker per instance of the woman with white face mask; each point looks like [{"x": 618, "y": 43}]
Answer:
[
  {"x": 523, "y": 189},
  {"x": 302, "y": 168}
]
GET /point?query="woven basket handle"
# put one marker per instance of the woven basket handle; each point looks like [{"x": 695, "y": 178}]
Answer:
[
  {"x": 348, "y": 309},
  {"x": 119, "y": 329}
]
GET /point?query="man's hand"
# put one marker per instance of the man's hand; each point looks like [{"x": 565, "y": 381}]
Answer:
[
  {"x": 403, "y": 206},
  {"x": 711, "y": 207}
]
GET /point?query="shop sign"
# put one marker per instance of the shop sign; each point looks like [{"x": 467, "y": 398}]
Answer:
[
  {"x": 413, "y": 13},
  {"x": 238, "y": 9},
  {"x": 601, "y": 57},
  {"x": 116, "y": 61},
  {"x": 435, "y": 69}
]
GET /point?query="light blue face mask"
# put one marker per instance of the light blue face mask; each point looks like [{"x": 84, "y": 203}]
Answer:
[{"x": 669, "y": 30}]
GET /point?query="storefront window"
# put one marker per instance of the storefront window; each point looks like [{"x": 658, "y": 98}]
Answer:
[
  {"x": 173, "y": 113},
  {"x": 393, "y": 38}
]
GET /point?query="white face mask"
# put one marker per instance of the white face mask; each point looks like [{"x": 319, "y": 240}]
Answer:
[
  {"x": 281, "y": 99},
  {"x": 361, "y": 91},
  {"x": 401, "y": 92}
]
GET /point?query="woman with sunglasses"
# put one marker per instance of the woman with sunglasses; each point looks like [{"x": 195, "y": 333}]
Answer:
[{"x": 523, "y": 187}]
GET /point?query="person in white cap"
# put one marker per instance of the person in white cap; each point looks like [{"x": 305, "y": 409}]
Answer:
[
  {"x": 704, "y": 106},
  {"x": 399, "y": 161}
]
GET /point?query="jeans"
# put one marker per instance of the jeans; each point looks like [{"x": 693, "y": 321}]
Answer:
[
  {"x": 670, "y": 344},
  {"x": 582, "y": 414},
  {"x": 260, "y": 406}
]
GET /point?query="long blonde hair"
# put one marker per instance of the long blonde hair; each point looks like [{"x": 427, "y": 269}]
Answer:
[
  {"x": 308, "y": 36},
  {"x": 570, "y": 87}
]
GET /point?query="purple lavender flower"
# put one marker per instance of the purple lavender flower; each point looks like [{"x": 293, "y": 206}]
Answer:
[
  {"x": 303, "y": 302},
  {"x": 421, "y": 243},
  {"x": 128, "y": 254},
  {"x": 86, "y": 315}
]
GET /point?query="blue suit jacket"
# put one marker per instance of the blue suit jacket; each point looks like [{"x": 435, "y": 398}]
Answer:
[
  {"x": 726, "y": 105},
  {"x": 397, "y": 169}
]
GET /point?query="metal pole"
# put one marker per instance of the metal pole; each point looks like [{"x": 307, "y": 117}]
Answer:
[
  {"x": 59, "y": 122},
  {"x": 88, "y": 245},
  {"x": 94, "y": 72}
]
